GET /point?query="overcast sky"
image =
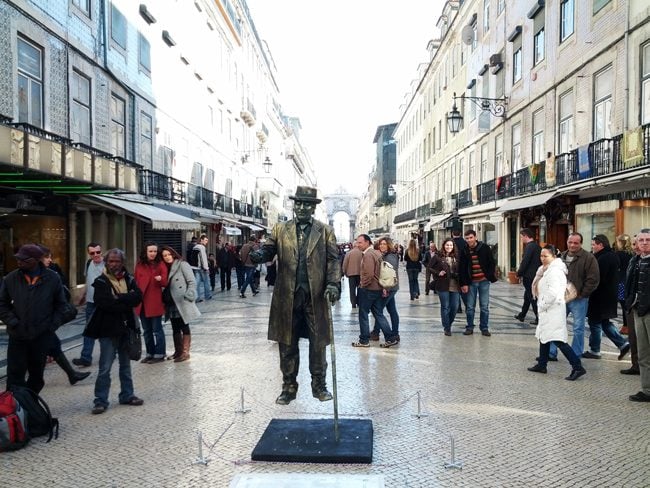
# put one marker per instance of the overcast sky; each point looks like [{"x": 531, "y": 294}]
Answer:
[{"x": 343, "y": 69}]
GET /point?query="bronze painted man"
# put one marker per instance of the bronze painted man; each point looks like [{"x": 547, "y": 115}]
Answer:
[{"x": 308, "y": 278}]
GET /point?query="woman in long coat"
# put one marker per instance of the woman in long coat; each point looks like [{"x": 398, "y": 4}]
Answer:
[
  {"x": 180, "y": 302},
  {"x": 549, "y": 286},
  {"x": 444, "y": 271},
  {"x": 151, "y": 277}
]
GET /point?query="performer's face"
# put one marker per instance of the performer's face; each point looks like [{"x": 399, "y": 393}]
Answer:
[{"x": 303, "y": 211}]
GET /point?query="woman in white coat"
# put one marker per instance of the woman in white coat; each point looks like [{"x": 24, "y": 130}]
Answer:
[
  {"x": 549, "y": 286},
  {"x": 180, "y": 302}
]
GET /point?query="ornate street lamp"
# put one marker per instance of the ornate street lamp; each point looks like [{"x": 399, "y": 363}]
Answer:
[
  {"x": 496, "y": 106},
  {"x": 267, "y": 164}
]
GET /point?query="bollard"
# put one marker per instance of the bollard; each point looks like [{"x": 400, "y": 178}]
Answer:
[
  {"x": 242, "y": 410},
  {"x": 200, "y": 459},
  {"x": 453, "y": 464},
  {"x": 420, "y": 414}
]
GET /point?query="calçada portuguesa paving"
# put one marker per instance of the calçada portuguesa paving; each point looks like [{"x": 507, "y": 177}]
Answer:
[{"x": 511, "y": 428}]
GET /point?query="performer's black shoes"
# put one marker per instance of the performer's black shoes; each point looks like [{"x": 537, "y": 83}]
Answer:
[
  {"x": 323, "y": 395},
  {"x": 285, "y": 397}
]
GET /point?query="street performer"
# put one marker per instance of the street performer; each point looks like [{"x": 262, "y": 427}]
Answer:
[{"x": 308, "y": 278}]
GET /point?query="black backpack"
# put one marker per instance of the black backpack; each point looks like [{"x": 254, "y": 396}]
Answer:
[
  {"x": 193, "y": 257},
  {"x": 39, "y": 420}
]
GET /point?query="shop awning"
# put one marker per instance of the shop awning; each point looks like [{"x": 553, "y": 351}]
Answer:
[
  {"x": 232, "y": 221},
  {"x": 159, "y": 218},
  {"x": 232, "y": 231},
  {"x": 254, "y": 227},
  {"x": 435, "y": 220},
  {"x": 527, "y": 202},
  {"x": 205, "y": 217}
]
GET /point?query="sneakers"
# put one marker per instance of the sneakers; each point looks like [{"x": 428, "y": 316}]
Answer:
[
  {"x": 98, "y": 409},
  {"x": 134, "y": 401},
  {"x": 389, "y": 343},
  {"x": 360, "y": 344},
  {"x": 576, "y": 373},
  {"x": 639, "y": 397},
  {"x": 81, "y": 362},
  {"x": 590, "y": 355},
  {"x": 241, "y": 295},
  {"x": 468, "y": 332},
  {"x": 447, "y": 332},
  {"x": 486, "y": 333}
]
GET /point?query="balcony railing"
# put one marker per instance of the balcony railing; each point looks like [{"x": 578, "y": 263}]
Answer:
[{"x": 464, "y": 198}]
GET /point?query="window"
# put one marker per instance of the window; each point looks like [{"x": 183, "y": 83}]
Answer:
[
  {"x": 516, "y": 60},
  {"x": 565, "y": 111},
  {"x": 472, "y": 106},
  {"x": 484, "y": 162},
  {"x": 599, "y": 4},
  {"x": 603, "y": 103},
  {"x": 566, "y": 19},
  {"x": 539, "y": 48},
  {"x": 118, "y": 125},
  {"x": 501, "y": 5},
  {"x": 538, "y": 136},
  {"x": 461, "y": 173},
  {"x": 145, "y": 54},
  {"x": 516, "y": 147},
  {"x": 30, "y": 83},
  {"x": 472, "y": 169},
  {"x": 80, "y": 110},
  {"x": 645, "y": 84},
  {"x": 83, "y": 5},
  {"x": 118, "y": 27},
  {"x": 498, "y": 154},
  {"x": 486, "y": 16},
  {"x": 167, "y": 154},
  {"x": 146, "y": 140},
  {"x": 474, "y": 36}
]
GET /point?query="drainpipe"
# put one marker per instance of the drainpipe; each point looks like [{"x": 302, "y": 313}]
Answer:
[{"x": 627, "y": 67}]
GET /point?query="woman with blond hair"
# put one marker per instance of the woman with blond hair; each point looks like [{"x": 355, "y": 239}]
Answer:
[{"x": 413, "y": 259}]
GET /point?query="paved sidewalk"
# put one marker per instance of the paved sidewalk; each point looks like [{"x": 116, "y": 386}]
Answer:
[{"x": 511, "y": 428}]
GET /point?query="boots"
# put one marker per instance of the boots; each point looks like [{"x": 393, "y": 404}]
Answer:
[
  {"x": 73, "y": 374},
  {"x": 185, "y": 354},
  {"x": 178, "y": 345}
]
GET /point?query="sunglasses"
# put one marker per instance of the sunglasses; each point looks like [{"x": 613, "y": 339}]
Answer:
[{"x": 94, "y": 253}]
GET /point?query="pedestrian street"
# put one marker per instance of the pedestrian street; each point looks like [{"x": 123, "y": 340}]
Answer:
[{"x": 510, "y": 427}]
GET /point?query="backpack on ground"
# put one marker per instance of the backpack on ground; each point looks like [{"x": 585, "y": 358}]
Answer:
[
  {"x": 193, "y": 257},
  {"x": 13, "y": 435},
  {"x": 387, "y": 275},
  {"x": 39, "y": 419}
]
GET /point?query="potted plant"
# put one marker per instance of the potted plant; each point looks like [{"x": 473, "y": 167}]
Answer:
[{"x": 513, "y": 279}]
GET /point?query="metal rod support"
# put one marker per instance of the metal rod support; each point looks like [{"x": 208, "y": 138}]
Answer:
[{"x": 335, "y": 397}]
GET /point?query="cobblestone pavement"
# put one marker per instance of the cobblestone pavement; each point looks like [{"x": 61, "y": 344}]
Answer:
[{"x": 511, "y": 428}]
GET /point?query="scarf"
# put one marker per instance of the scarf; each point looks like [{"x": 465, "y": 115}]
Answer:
[{"x": 117, "y": 281}]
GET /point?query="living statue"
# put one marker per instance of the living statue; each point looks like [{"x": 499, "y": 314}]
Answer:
[{"x": 308, "y": 278}]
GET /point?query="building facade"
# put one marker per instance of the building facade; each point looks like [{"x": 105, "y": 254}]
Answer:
[
  {"x": 571, "y": 151},
  {"x": 122, "y": 122}
]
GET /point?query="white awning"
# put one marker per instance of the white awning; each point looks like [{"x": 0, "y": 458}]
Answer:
[
  {"x": 232, "y": 231},
  {"x": 205, "y": 217},
  {"x": 159, "y": 218},
  {"x": 254, "y": 227},
  {"x": 527, "y": 202},
  {"x": 231, "y": 221},
  {"x": 435, "y": 220}
]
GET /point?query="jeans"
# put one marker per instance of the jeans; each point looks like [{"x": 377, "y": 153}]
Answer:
[
  {"x": 202, "y": 276},
  {"x": 574, "y": 360},
  {"x": 353, "y": 286},
  {"x": 249, "y": 275},
  {"x": 372, "y": 301},
  {"x": 449, "y": 301},
  {"x": 391, "y": 308},
  {"x": 88, "y": 342},
  {"x": 414, "y": 285},
  {"x": 108, "y": 348},
  {"x": 597, "y": 328},
  {"x": 578, "y": 308},
  {"x": 482, "y": 290},
  {"x": 154, "y": 337}
]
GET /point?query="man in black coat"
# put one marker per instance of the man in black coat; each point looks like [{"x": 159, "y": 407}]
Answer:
[
  {"x": 226, "y": 262},
  {"x": 530, "y": 262},
  {"x": 603, "y": 302},
  {"x": 32, "y": 305}
]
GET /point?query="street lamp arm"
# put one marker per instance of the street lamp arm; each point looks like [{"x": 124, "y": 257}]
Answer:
[{"x": 496, "y": 106}]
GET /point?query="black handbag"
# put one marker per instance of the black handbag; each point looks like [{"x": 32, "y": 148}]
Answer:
[
  {"x": 167, "y": 296},
  {"x": 134, "y": 343}
]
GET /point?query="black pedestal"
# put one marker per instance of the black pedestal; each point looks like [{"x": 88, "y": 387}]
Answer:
[{"x": 313, "y": 441}]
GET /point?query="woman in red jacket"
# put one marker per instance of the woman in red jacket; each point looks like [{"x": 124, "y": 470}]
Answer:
[{"x": 151, "y": 278}]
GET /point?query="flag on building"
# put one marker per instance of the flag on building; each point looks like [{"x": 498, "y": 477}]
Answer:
[
  {"x": 584, "y": 164},
  {"x": 632, "y": 147},
  {"x": 550, "y": 170}
]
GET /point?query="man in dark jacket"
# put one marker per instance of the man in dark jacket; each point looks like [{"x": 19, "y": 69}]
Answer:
[
  {"x": 476, "y": 272},
  {"x": 637, "y": 299},
  {"x": 32, "y": 303},
  {"x": 225, "y": 260},
  {"x": 116, "y": 293},
  {"x": 309, "y": 278},
  {"x": 603, "y": 302},
  {"x": 530, "y": 262}
]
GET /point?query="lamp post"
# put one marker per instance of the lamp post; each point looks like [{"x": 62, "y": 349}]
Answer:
[{"x": 496, "y": 106}]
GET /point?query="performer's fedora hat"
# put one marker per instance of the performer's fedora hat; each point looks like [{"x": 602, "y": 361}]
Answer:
[{"x": 306, "y": 194}]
